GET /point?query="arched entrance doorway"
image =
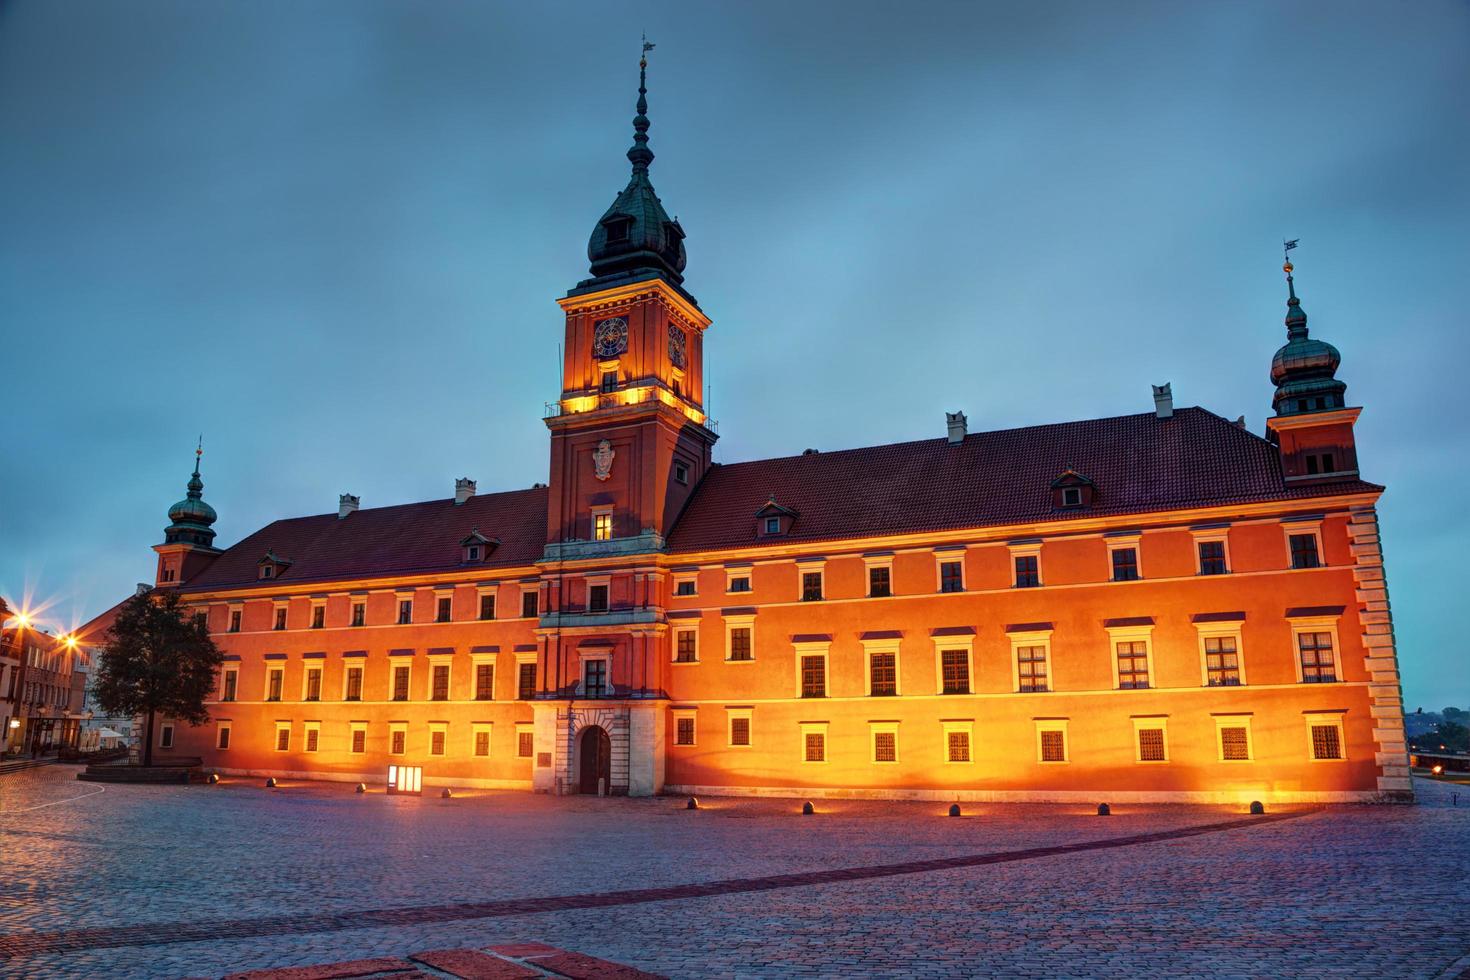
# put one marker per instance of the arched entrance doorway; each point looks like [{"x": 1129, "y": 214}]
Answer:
[{"x": 594, "y": 760}]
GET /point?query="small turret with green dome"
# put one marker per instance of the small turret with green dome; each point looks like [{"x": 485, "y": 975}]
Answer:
[
  {"x": 192, "y": 518},
  {"x": 1304, "y": 370},
  {"x": 635, "y": 239}
]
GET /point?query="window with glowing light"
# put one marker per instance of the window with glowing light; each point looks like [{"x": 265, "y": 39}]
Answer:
[
  {"x": 1222, "y": 661},
  {"x": 602, "y": 527},
  {"x": 1318, "y": 664},
  {"x": 1031, "y": 668},
  {"x": 1132, "y": 664}
]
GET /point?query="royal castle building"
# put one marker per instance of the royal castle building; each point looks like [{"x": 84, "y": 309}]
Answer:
[{"x": 1153, "y": 607}]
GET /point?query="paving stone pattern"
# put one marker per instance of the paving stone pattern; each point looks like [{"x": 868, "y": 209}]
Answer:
[{"x": 1324, "y": 893}]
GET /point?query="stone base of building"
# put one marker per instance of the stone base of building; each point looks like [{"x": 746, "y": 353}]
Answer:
[
  {"x": 1238, "y": 797},
  {"x": 379, "y": 778}
]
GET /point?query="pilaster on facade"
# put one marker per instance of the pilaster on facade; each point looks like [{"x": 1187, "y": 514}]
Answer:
[{"x": 1385, "y": 687}]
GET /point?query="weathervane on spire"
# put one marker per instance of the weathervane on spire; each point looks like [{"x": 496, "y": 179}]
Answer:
[
  {"x": 1286, "y": 247},
  {"x": 198, "y": 452},
  {"x": 647, "y": 47}
]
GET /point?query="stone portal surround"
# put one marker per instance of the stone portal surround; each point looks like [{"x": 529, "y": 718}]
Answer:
[
  {"x": 1385, "y": 688},
  {"x": 570, "y": 722}
]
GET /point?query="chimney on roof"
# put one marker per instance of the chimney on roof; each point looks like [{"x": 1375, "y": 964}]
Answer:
[
  {"x": 346, "y": 504},
  {"x": 1164, "y": 401},
  {"x": 958, "y": 426},
  {"x": 143, "y": 589},
  {"x": 1240, "y": 422},
  {"x": 464, "y": 489}
]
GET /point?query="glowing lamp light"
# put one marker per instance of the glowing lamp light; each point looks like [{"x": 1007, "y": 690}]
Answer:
[
  {"x": 1437, "y": 770},
  {"x": 15, "y": 723},
  {"x": 23, "y": 620},
  {"x": 406, "y": 779},
  {"x": 70, "y": 641}
]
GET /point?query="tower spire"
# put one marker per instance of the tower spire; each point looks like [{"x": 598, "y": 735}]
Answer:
[
  {"x": 1296, "y": 317},
  {"x": 1304, "y": 370},
  {"x": 191, "y": 518},
  {"x": 639, "y": 153}
]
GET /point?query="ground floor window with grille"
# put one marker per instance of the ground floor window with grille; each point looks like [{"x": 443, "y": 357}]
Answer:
[
  {"x": 1031, "y": 668},
  {"x": 814, "y": 744},
  {"x": 1051, "y": 741},
  {"x": 740, "y": 730},
  {"x": 359, "y": 739},
  {"x": 1235, "y": 741},
  {"x": 525, "y": 743},
  {"x": 283, "y": 738},
  {"x": 438, "y": 735},
  {"x": 1151, "y": 745},
  {"x": 398, "y": 741},
  {"x": 313, "y": 737},
  {"x": 1326, "y": 733},
  {"x": 957, "y": 745},
  {"x": 1318, "y": 665},
  {"x": 1132, "y": 664},
  {"x": 885, "y": 742},
  {"x": 482, "y": 741},
  {"x": 1222, "y": 661}
]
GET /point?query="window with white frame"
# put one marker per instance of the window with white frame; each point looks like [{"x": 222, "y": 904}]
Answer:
[
  {"x": 357, "y": 735},
  {"x": 352, "y": 681},
  {"x": 883, "y": 740},
  {"x": 1026, "y": 565},
  {"x": 1233, "y": 738},
  {"x": 686, "y": 584},
  {"x": 311, "y": 682},
  {"x": 596, "y": 675},
  {"x": 686, "y": 645},
  {"x": 1303, "y": 542},
  {"x": 1325, "y": 739},
  {"x": 318, "y": 614},
  {"x": 439, "y": 677},
  {"x": 737, "y": 727},
  {"x": 602, "y": 525},
  {"x": 953, "y": 663},
  {"x": 958, "y": 736},
  {"x": 525, "y": 740},
  {"x": 229, "y": 684},
  {"x": 401, "y": 676},
  {"x": 1030, "y": 660},
  {"x": 1221, "y": 662},
  {"x": 397, "y": 738},
  {"x": 1051, "y": 741},
  {"x": 1133, "y": 657},
  {"x": 1315, "y": 640},
  {"x": 405, "y": 609},
  {"x": 283, "y": 736},
  {"x": 1150, "y": 739},
  {"x": 275, "y": 681},
  {"x": 951, "y": 567},
  {"x": 312, "y": 730},
  {"x": 1123, "y": 558},
  {"x": 740, "y": 638},
  {"x": 480, "y": 738},
  {"x": 438, "y": 737},
  {"x": 882, "y": 663},
  {"x": 880, "y": 576},
  {"x": 683, "y": 726},
  {"x": 813, "y": 741},
  {"x": 811, "y": 669},
  {"x": 483, "y": 665},
  {"x": 737, "y": 579},
  {"x": 1212, "y": 547},
  {"x": 811, "y": 583}
]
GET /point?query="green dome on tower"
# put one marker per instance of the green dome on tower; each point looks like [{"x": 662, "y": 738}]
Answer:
[
  {"x": 191, "y": 518},
  {"x": 1304, "y": 370}
]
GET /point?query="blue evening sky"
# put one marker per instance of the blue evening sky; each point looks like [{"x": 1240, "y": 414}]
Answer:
[{"x": 328, "y": 235}]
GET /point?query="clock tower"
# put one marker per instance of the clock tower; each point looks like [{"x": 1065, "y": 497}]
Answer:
[
  {"x": 629, "y": 436},
  {"x": 629, "y": 444}
]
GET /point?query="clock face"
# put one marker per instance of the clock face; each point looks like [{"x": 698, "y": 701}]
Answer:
[
  {"x": 676, "y": 346},
  {"x": 610, "y": 337}
]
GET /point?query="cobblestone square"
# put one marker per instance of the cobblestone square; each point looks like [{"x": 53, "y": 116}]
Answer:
[{"x": 207, "y": 880}]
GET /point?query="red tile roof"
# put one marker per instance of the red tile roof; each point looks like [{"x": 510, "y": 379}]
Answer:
[
  {"x": 1138, "y": 463},
  {"x": 385, "y": 541}
]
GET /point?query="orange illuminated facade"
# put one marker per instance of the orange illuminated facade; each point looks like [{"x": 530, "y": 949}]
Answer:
[{"x": 1161, "y": 606}]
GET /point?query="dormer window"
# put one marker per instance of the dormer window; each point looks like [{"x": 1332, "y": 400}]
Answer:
[
  {"x": 1072, "y": 490},
  {"x": 681, "y": 472},
  {"x": 773, "y": 520},
  {"x": 271, "y": 566},
  {"x": 476, "y": 547},
  {"x": 618, "y": 230}
]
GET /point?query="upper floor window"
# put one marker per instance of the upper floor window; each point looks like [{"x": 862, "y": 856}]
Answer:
[
  {"x": 526, "y": 680},
  {"x": 685, "y": 650},
  {"x": 359, "y": 613},
  {"x": 954, "y": 667},
  {"x": 594, "y": 677},
  {"x": 265, "y": 571},
  {"x": 1132, "y": 664},
  {"x": 880, "y": 581},
  {"x": 487, "y": 605},
  {"x": 234, "y": 620},
  {"x": 313, "y": 684},
  {"x": 773, "y": 525},
  {"x": 685, "y": 586},
  {"x": 353, "y": 686},
  {"x": 405, "y": 611},
  {"x": 1031, "y": 672},
  {"x": 739, "y": 583},
  {"x": 811, "y": 586},
  {"x": 597, "y": 598},
  {"x": 318, "y": 617},
  {"x": 529, "y": 604},
  {"x": 484, "y": 682},
  {"x": 400, "y": 683},
  {"x": 1318, "y": 663},
  {"x": 1028, "y": 571},
  {"x": 440, "y": 683},
  {"x": 609, "y": 381},
  {"x": 1320, "y": 463},
  {"x": 1212, "y": 558},
  {"x": 1304, "y": 550},
  {"x": 740, "y": 643},
  {"x": 473, "y": 552},
  {"x": 681, "y": 472},
  {"x": 883, "y": 674},
  {"x": 813, "y": 676},
  {"x": 951, "y": 576},
  {"x": 281, "y": 618},
  {"x": 1125, "y": 564},
  {"x": 1222, "y": 661},
  {"x": 275, "y": 678},
  {"x": 1071, "y": 496},
  {"x": 443, "y": 613},
  {"x": 602, "y": 526},
  {"x": 232, "y": 678}
]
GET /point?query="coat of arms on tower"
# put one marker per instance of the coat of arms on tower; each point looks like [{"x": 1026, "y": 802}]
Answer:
[{"x": 602, "y": 460}]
